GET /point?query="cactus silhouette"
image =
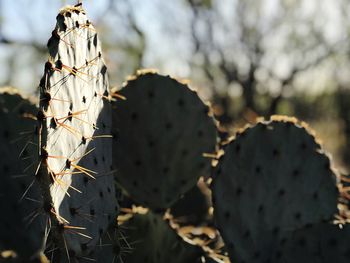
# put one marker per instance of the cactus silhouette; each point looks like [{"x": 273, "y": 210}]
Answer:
[{"x": 273, "y": 179}]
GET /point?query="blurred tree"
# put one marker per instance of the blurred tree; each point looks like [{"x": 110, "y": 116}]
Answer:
[{"x": 255, "y": 50}]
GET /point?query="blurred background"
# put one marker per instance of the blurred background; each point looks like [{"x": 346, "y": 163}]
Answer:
[{"x": 248, "y": 58}]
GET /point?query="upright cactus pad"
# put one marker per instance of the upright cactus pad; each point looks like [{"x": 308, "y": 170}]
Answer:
[
  {"x": 161, "y": 131},
  {"x": 22, "y": 221},
  {"x": 273, "y": 178},
  {"x": 75, "y": 130},
  {"x": 149, "y": 238}
]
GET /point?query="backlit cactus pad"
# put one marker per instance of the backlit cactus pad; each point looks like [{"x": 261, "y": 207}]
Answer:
[
  {"x": 273, "y": 178},
  {"x": 74, "y": 125},
  {"x": 162, "y": 131}
]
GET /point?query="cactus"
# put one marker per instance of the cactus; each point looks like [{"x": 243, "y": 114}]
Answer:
[
  {"x": 168, "y": 129},
  {"x": 316, "y": 243},
  {"x": 149, "y": 238},
  {"x": 74, "y": 125},
  {"x": 22, "y": 221},
  {"x": 273, "y": 178}
]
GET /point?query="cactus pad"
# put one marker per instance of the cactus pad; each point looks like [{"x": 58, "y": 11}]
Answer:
[
  {"x": 161, "y": 131},
  {"x": 22, "y": 223},
  {"x": 149, "y": 238},
  {"x": 316, "y": 243},
  {"x": 75, "y": 123},
  {"x": 273, "y": 178}
]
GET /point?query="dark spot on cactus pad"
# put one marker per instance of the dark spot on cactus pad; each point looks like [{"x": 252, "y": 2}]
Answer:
[
  {"x": 246, "y": 234},
  {"x": 227, "y": 215},
  {"x": 48, "y": 66},
  {"x": 200, "y": 133},
  {"x": 74, "y": 71},
  {"x": 302, "y": 242},
  {"x": 101, "y": 194},
  {"x": 165, "y": 170},
  {"x": 46, "y": 98},
  {"x": 83, "y": 246},
  {"x": 260, "y": 209},
  {"x": 134, "y": 116},
  {"x": 256, "y": 254},
  {"x": 100, "y": 231},
  {"x": 138, "y": 163},
  {"x": 275, "y": 153},
  {"x": 239, "y": 191},
  {"x": 168, "y": 126},
  {"x": 135, "y": 183},
  {"x": 257, "y": 169},
  {"x": 6, "y": 134},
  {"x": 103, "y": 158},
  {"x": 155, "y": 190},
  {"x": 278, "y": 254},
  {"x": 237, "y": 148},
  {"x": 183, "y": 182},
  {"x": 73, "y": 211},
  {"x": 181, "y": 102},
  {"x": 184, "y": 152},
  {"x": 23, "y": 186},
  {"x": 95, "y": 160},
  {"x": 53, "y": 123},
  {"x": 327, "y": 165},
  {"x": 151, "y": 143},
  {"x": 68, "y": 163},
  {"x": 59, "y": 64},
  {"x": 150, "y": 94},
  {"x": 92, "y": 211},
  {"x": 297, "y": 216},
  {"x": 332, "y": 242},
  {"x": 201, "y": 165},
  {"x": 281, "y": 192},
  {"x": 108, "y": 189},
  {"x": 283, "y": 241},
  {"x": 85, "y": 180},
  {"x": 275, "y": 230},
  {"x": 95, "y": 40},
  {"x": 70, "y": 116},
  {"x": 315, "y": 195},
  {"x": 103, "y": 70},
  {"x": 295, "y": 172},
  {"x": 303, "y": 145},
  {"x": 84, "y": 99},
  {"x": 230, "y": 245}
]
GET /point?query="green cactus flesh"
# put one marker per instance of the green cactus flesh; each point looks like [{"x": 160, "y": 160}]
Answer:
[
  {"x": 161, "y": 131},
  {"x": 316, "y": 243},
  {"x": 22, "y": 221},
  {"x": 272, "y": 179},
  {"x": 149, "y": 238},
  {"x": 75, "y": 122}
]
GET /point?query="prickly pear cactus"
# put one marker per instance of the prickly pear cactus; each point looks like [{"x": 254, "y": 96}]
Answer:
[
  {"x": 75, "y": 136},
  {"x": 316, "y": 243},
  {"x": 273, "y": 178},
  {"x": 22, "y": 222},
  {"x": 161, "y": 131},
  {"x": 149, "y": 238}
]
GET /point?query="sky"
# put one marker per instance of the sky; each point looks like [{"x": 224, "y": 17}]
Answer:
[{"x": 166, "y": 24}]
